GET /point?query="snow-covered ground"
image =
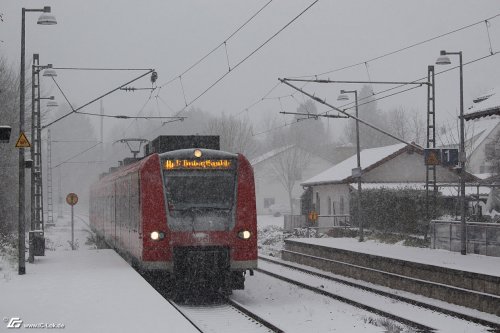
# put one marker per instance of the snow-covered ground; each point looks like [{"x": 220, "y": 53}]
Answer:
[
  {"x": 271, "y": 242},
  {"x": 443, "y": 258},
  {"x": 82, "y": 291},
  {"x": 90, "y": 290}
]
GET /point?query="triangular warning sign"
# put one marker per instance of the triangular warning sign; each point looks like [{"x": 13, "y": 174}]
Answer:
[{"x": 23, "y": 142}]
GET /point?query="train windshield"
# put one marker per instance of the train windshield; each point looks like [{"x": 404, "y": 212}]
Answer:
[{"x": 187, "y": 190}]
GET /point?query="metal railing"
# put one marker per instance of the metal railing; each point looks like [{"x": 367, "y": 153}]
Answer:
[
  {"x": 295, "y": 221},
  {"x": 482, "y": 238},
  {"x": 323, "y": 224}
]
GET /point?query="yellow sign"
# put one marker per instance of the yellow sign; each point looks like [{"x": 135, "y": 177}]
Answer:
[
  {"x": 23, "y": 142},
  {"x": 313, "y": 216},
  {"x": 196, "y": 164}
]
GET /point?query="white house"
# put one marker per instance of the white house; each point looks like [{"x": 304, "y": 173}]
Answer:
[
  {"x": 271, "y": 193},
  {"x": 482, "y": 131},
  {"x": 395, "y": 166}
]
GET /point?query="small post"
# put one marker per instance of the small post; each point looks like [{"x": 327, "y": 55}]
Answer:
[
  {"x": 72, "y": 200},
  {"x": 72, "y": 230}
]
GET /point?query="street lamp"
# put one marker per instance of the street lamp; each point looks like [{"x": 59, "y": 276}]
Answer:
[
  {"x": 44, "y": 19},
  {"x": 444, "y": 60},
  {"x": 357, "y": 171}
]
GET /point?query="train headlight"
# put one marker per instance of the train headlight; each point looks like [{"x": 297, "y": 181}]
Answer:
[
  {"x": 157, "y": 235},
  {"x": 244, "y": 234},
  {"x": 197, "y": 153}
]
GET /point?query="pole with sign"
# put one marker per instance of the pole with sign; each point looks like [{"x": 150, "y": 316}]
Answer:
[{"x": 72, "y": 199}]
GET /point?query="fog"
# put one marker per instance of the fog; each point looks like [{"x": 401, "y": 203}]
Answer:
[{"x": 171, "y": 36}]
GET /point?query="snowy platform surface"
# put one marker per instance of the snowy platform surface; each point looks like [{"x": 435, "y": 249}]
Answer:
[
  {"x": 86, "y": 291},
  {"x": 471, "y": 262}
]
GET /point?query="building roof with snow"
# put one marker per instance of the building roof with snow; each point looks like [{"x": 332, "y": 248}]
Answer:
[
  {"x": 398, "y": 168},
  {"x": 487, "y": 104},
  {"x": 269, "y": 154},
  {"x": 342, "y": 171}
]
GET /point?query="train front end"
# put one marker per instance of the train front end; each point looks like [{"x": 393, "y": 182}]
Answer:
[{"x": 210, "y": 217}]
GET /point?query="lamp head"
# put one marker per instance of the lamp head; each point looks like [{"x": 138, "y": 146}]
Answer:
[
  {"x": 443, "y": 60},
  {"x": 52, "y": 103},
  {"x": 49, "y": 72},
  {"x": 342, "y": 96},
  {"x": 46, "y": 18}
]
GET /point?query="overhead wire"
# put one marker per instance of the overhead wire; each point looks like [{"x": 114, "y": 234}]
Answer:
[
  {"x": 243, "y": 60},
  {"x": 403, "y": 48},
  {"x": 390, "y": 89},
  {"x": 78, "y": 154},
  {"x": 248, "y": 56},
  {"x": 73, "y": 110},
  {"x": 218, "y": 46}
]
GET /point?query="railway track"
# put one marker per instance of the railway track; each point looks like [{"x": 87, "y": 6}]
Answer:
[
  {"x": 266, "y": 267},
  {"x": 214, "y": 312}
]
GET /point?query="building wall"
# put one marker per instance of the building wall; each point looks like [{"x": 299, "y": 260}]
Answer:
[
  {"x": 406, "y": 168},
  {"x": 476, "y": 162},
  {"x": 330, "y": 198}
]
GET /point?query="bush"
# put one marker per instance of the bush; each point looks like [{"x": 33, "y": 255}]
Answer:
[{"x": 393, "y": 210}]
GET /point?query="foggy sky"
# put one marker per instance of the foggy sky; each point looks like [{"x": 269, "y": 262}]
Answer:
[{"x": 169, "y": 36}]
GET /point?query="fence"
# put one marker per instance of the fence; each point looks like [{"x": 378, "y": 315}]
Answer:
[
  {"x": 295, "y": 221},
  {"x": 324, "y": 223},
  {"x": 482, "y": 238}
]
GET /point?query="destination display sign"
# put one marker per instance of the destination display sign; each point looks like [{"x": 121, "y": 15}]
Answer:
[{"x": 197, "y": 164}]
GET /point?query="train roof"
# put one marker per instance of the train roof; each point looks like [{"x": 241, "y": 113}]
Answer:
[{"x": 189, "y": 153}]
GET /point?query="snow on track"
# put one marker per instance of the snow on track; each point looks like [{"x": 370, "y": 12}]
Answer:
[
  {"x": 295, "y": 309},
  {"x": 221, "y": 318},
  {"x": 439, "y": 321}
]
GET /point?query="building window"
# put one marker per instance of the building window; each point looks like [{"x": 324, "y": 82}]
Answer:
[
  {"x": 268, "y": 202},
  {"x": 341, "y": 205},
  {"x": 329, "y": 206}
]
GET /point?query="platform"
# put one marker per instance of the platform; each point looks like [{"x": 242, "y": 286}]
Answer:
[
  {"x": 472, "y": 280},
  {"x": 85, "y": 291}
]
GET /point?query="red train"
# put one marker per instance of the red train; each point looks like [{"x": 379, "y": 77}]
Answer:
[{"x": 189, "y": 213}]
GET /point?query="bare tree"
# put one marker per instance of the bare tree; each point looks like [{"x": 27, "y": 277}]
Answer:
[
  {"x": 9, "y": 168},
  {"x": 288, "y": 167},
  {"x": 235, "y": 134},
  {"x": 408, "y": 125}
]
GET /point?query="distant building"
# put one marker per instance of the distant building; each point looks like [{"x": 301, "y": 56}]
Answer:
[
  {"x": 271, "y": 194},
  {"x": 482, "y": 134},
  {"x": 396, "y": 166}
]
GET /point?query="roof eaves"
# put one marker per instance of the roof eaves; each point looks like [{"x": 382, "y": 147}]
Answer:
[
  {"x": 329, "y": 182},
  {"x": 484, "y": 113}
]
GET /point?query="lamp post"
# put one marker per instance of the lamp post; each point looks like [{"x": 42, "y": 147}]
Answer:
[
  {"x": 44, "y": 19},
  {"x": 357, "y": 171},
  {"x": 444, "y": 60}
]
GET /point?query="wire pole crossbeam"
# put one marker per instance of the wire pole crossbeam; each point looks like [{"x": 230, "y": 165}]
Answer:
[
  {"x": 349, "y": 115},
  {"x": 350, "y": 81},
  {"x": 94, "y": 100},
  {"x": 312, "y": 115}
]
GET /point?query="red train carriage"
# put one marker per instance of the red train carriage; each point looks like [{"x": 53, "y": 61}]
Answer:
[{"x": 189, "y": 213}]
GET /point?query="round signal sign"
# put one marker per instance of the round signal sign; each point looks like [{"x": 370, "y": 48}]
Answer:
[{"x": 72, "y": 199}]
